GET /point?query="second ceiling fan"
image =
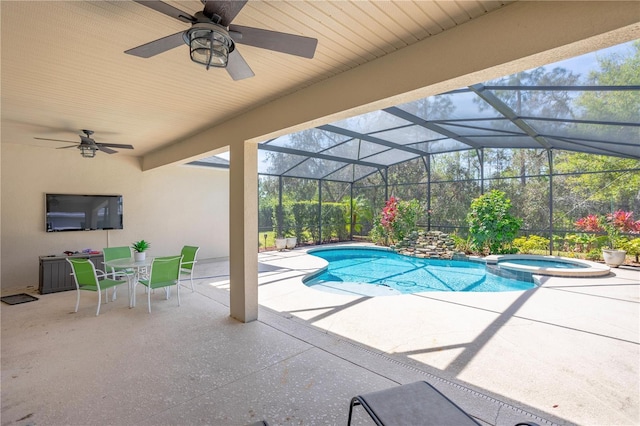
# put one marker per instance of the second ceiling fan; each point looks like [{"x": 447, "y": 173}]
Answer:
[{"x": 212, "y": 37}]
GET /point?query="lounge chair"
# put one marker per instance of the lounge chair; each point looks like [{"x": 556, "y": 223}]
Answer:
[{"x": 413, "y": 404}]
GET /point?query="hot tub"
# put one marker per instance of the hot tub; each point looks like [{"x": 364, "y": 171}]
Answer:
[{"x": 555, "y": 266}]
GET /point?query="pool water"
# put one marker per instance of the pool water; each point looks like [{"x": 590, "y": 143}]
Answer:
[
  {"x": 406, "y": 274},
  {"x": 541, "y": 263}
]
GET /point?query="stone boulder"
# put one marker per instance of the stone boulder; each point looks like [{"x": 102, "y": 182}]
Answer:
[{"x": 427, "y": 244}]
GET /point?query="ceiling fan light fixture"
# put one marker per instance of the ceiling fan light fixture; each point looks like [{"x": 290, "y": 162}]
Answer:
[
  {"x": 87, "y": 151},
  {"x": 209, "y": 44}
]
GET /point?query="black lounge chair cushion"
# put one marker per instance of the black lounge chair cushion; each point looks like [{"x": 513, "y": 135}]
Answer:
[{"x": 413, "y": 404}]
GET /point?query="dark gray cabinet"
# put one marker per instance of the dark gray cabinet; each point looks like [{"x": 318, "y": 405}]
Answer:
[{"x": 55, "y": 272}]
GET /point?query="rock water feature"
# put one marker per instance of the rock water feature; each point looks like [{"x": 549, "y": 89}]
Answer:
[{"x": 429, "y": 244}]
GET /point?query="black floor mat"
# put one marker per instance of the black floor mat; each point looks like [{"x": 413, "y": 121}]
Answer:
[{"x": 18, "y": 298}]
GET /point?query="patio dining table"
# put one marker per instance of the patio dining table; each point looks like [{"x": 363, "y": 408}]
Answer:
[{"x": 137, "y": 266}]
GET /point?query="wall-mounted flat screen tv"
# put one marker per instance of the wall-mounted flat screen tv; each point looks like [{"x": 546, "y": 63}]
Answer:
[{"x": 70, "y": 212}]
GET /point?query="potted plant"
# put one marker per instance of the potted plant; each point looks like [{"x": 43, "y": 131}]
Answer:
[
  {"x": 281, "y": 243},
  {"x": 614, "y": 224},
  {"x": 139, "y": 248},
  {"x": 290, "y": 240}
]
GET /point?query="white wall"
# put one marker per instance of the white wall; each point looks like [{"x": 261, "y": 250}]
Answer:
[{"x": 169, "y": 207}]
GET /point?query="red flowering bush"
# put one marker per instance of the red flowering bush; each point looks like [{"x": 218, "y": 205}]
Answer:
[
  {"x": 396, "y": 220},
  {"x": 590, "y": 223},
  {"x": 623, "y": 221},
  {"x": 613, "y": 224},
  {"x": 389, "y": 214}
]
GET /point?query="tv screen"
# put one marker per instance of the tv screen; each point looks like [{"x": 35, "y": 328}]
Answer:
[{"x": 69, "y": 212}]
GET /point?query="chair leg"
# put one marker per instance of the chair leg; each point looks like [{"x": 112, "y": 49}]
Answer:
[
  {"x": 193, "y": 289},
  {"x": 148, "y": 298},
  {"x": 354, "y": 402},
  {"x": 99, "y": 301},
  {"x": 77, "y": 300},
  {"x": 357, "y": 401},
  {"x": 178, "y": 291}
]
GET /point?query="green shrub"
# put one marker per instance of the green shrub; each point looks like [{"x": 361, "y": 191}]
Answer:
[
  {"x": 531, "y": 243},
  {"x": 462, "y": 244},
  {"x": 265, "y": 215},
  {"x": 288, "y": 220},
  {"x": 492, "y": 228},
  {"x": 333, "y": 222},
  {"x": 594, "y": 254},
  {"x": 305, "y": 215},
  {"x": 632, "y": 247}
]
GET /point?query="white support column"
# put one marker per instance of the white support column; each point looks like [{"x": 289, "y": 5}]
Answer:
[{"x": 243, "y": 231}]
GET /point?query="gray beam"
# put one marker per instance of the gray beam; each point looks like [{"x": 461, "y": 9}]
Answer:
[
  {"x": 309, "y": 154},
  {"x": 624, "y": 88},
  {"x": 372, "y": 139},
  {"x": 504, "y": 109},
  {"x": 430, "y": 125}
]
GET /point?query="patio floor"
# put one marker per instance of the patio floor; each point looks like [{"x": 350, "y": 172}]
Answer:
[{"x": 565, "y": 353}]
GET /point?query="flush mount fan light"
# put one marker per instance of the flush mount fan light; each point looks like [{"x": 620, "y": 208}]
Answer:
[
  {"x": 212, "y": 38},
  {"x": 88, "y": 147}
]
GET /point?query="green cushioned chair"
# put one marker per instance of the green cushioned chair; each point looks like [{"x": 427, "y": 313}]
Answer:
[
  {"x": 164, "y": 273},
  {"x": 87, "y": 277},
  {"x": 113, "y": 253},
  {"x": 189, "y": 254}
]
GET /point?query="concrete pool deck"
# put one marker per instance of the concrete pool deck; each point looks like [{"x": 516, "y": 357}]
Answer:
[
  {"x": 564, "y": 353},
  {"x": 569, "y": 348}
]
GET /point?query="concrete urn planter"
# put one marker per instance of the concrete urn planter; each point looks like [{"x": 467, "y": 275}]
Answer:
[
  {"x": 613, "y": 258},
  {"x": 281, "y": 243},
  {"x": 291, "y": 242}
]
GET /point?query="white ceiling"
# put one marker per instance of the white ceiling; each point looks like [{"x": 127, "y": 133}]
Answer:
[{"x": 63, "y": 66}]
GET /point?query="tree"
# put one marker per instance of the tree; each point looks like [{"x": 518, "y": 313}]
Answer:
[
  {"x": 491, "y": 226},
  {"x": 617, "y": 111},
  {"x": 619, "y": 105}
]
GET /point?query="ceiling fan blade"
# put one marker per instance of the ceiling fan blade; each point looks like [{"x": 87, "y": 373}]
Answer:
[
  {"x": 237, "y": 67},
  {"x": 273, "y": 40},
  {"x": 155, "y": 47},
  {"x": 105, "y": 149},
  {"x": 70, "y": 146},
  {"x": 114, "y": 145},
  {"x": 225, "y": 9},
  {"x": 167, "y": 9},
  {"x": 55, "y": 140}
]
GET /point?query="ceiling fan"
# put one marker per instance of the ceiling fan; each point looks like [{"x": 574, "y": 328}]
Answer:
[
  {"x": 88, "y": 147},
  {"x": 212, "y": 37}
]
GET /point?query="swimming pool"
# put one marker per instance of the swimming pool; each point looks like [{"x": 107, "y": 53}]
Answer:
[{"x": 375, "y": 272}]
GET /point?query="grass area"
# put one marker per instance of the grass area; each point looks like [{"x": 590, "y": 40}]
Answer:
[{"x": 266, "y": 239}]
